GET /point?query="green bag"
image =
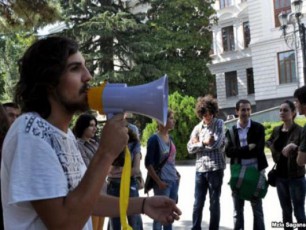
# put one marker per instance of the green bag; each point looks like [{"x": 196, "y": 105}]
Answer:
[{"x": 248, "y": 182}]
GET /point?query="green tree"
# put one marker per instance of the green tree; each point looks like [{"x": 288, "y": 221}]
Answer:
[
  {"x": 19, "y": 23},
  {"x": 125, "y": 45},
  {"x": 27, "y": 15},
  {"x": 180, "y": 43},
  {"x": 183, "y": 107},
  {"x": 11, "y": 48},
  {"x": 122, "y": 45},
  {"x": 106, "y": 32}
]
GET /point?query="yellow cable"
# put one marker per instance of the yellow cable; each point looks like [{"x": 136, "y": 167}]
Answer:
[{"x": 125, "y": 189}]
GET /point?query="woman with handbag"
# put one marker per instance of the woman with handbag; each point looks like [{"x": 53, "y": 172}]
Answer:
[
  {"x": 290, "y": 181},
  {"x": 160, "y": 148}
]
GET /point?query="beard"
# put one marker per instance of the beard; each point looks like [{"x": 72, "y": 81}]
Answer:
[{"x": 74, "y": 106}]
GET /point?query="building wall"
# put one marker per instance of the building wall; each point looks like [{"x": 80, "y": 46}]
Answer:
[
  {"x": 239, "y": 65},
  {"x": 266, "y": 43},
  {"x": 262, "y": 55},
  {"x": 237, "y": 60}
]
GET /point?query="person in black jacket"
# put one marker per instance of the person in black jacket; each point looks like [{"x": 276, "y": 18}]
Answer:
[
  {"x": 247, "y": 150},
  {"x": 290, "y": 183}
]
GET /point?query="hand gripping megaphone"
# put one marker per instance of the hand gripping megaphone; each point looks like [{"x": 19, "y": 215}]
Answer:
[{"x": 150, "y": 99}]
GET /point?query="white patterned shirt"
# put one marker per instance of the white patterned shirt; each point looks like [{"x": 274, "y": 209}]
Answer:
[{"x": 39, "y": 161}]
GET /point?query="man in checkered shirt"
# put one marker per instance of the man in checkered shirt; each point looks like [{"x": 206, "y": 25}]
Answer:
[{"x": 207, "y": 141}]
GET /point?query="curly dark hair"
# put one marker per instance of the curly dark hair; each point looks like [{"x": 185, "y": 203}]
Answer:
[
  {"x": 206, "y": 104},
  {"x": 40, "y": 69}
]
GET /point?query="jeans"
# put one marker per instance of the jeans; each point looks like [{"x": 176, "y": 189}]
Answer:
[
  {"x": 291, "y": 192},
  {"x": 256, "y": 204},
  {"x": 113, "y": 188},
  {"x": 211, "y": 182},
  {"x": 172, "y": 192}
]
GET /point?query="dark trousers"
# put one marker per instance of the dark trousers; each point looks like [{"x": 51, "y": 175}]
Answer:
[{"x": 211, "y": 182}]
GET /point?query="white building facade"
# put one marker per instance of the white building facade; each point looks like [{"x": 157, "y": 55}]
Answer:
[{"x": 250, "y": 58}]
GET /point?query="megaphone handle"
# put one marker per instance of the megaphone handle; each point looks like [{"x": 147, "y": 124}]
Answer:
[{"x": 109, "y": 116}]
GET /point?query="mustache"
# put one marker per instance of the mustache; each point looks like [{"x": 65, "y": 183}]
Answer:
[{"x": 84, "y": 88}]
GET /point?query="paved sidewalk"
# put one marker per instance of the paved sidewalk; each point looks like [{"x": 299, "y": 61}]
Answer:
[{"x": 272, "y": 209}]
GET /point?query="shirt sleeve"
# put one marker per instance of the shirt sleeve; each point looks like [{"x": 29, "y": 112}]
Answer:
[
  {"x": 218, "y": 135},
  {"x": 152, "y": 151},
  {"x": 194, "y": 147},
  {"x": 34, "y": 170}
]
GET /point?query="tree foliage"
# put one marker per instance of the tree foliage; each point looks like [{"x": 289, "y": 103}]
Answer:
[
  {"x": 136, "y": 47},
  {"x": 27, "y": 15},
  {"x": 122, "y": 43},
  {"x": 19, "y": 23},
  {"x": 183, "y": 107},
  {"x": 104, "y": 30},
  {"x": 11, "y": 50},
  {"x": 181, "y": 43}
]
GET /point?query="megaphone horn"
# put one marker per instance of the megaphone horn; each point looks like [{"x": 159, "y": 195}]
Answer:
[{"x": 150, "y": 99}]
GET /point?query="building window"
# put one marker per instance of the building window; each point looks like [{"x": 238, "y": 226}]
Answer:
[
  {"x": 231, "y": 84},
  {"x": 279, "y": 6},
  {"x": 246, "y": 34},
  {"x": 286, "y": 67},
  {"x": 225, "y": 3},
  {"x": 250, "y": 81},
  {"x": 228, "y": 38}
]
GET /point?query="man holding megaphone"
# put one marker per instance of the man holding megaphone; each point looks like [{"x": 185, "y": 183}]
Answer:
[{"x": 45, "y": 183}]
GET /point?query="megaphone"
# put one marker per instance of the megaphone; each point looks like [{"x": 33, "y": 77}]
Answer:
[{"x": 150, "y": 99}]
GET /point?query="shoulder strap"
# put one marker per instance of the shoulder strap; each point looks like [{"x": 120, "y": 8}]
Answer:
[
  {"x": 159, "y": 167},
  {"x": 232, "y": 135}
]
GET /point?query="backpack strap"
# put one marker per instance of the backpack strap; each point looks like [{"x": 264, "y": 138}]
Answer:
[
  {"x": 161, "y": 164},
  {"x": 232, "y": 136}
]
